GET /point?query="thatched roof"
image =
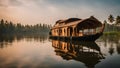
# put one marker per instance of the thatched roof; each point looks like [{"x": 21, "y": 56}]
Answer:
[{"x": 89, "y": 23}]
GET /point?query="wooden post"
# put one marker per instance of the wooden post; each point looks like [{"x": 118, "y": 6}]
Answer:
[
  {"x": 73, "y": 34},
  {"x": 66, "y": 31},
  {"x": 76, "y": 32}
]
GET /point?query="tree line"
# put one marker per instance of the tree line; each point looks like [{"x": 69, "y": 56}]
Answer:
[
  {"x": 112, "y": 23},
  {"x": 11, "y": 28}
]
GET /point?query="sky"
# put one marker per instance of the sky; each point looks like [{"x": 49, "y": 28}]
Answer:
[{"x": 49, "y": 11}]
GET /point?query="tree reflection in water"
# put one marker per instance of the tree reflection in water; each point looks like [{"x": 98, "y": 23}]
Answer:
[
  {"x": 6, "y": 40},
  {"x": 87, "y": 52},
  {"x": 112, "y": 42}
]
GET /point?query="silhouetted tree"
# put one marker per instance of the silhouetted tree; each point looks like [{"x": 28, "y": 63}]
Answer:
[
  {"x": 118, "y": 20},
  {"x": 10, "y": 28},
  {"x": 2, "y": 26},
  {"x": 111, "y": 19}
]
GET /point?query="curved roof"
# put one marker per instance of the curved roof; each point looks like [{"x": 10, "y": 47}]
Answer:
[
  {"x": 68, "y": 20},
  {"x": 71, "y": 20},
  {"x": 89, "y": 23}
]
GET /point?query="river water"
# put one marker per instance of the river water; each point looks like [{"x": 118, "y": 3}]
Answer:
[{"x": 42, "y": 52}]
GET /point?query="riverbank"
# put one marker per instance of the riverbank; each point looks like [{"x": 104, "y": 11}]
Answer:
[{"x": 112, "y": 33}]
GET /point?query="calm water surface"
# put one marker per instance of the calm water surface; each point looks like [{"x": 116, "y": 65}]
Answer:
[{"x": 41, "y": 52}]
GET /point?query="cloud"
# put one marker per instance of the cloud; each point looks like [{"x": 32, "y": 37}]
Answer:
[
  {"x": 48, "y": 11},
  {"x": 2, "y": 3},
  {"x": 10, "y": 3},
  {"x": 15, "y": 2}
]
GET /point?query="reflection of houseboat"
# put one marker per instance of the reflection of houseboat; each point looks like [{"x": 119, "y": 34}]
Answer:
[
  {"x": 86, "y": 52},
  {"x": 77, "y": 29}
]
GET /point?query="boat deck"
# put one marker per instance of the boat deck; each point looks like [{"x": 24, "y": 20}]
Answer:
[{"x": 80, "y": 38}]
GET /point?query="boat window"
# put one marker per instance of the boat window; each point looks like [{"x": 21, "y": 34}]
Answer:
[
  {"x": 86, "y": 31},
  {"x": 80, "y": 31},
  {"x": 60, "y": 31},
  {"x": 91, "y": 30}
]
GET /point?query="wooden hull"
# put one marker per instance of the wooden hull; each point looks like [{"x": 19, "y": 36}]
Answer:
[{"x": 80, "y": 38}]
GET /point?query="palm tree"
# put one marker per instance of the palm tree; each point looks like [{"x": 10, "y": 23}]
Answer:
[
  {"x": 111, "y": 21},
  {"x": 118, "y": 20}
]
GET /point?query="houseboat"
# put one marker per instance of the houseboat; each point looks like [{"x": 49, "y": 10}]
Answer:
[{"x": 77, "y": 29}]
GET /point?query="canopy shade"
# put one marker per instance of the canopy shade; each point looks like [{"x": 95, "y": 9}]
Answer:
[{"x": 89, "y": 24}]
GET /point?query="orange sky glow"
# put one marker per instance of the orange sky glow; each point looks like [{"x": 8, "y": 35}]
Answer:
[{"x": 49, "y": 11}]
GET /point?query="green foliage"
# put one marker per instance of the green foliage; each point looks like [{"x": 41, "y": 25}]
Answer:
[
  {"x": 112, "y": 37},
  {"x": 109, "y": 28},
  {"x": 112, "y": 26},
  {"x": 112, "y": 33},
  {"x": 10, "y": 28}
]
